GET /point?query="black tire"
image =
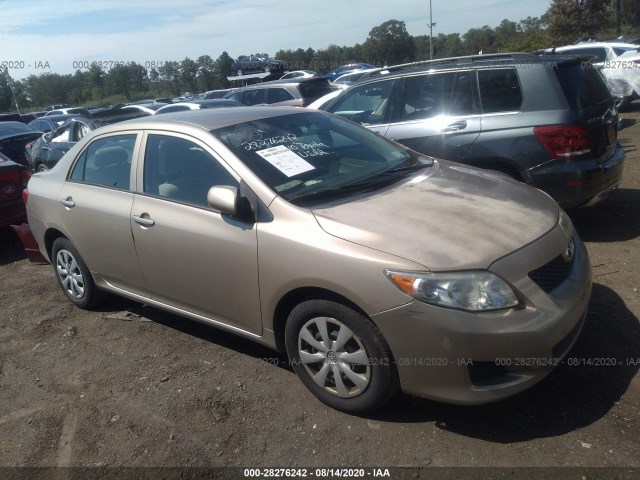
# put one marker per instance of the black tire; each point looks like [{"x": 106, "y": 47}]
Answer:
[
  {"x": 41, "y": 168},
  {"x": 73, "y": 276},
  {"x": 366, "y": 347},
  {"x": 239, "y": 72}
]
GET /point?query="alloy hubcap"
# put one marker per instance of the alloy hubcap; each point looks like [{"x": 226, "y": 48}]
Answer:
[
  {"x": 334, "y": 357},
  {"x": 70, "y": 274}
]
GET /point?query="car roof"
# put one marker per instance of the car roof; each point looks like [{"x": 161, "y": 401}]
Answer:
[
  {"x": 294, "y": 80},
  {"x": 206, "y": 119}
]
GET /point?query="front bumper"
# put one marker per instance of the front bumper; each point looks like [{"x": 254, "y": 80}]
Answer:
[{"x": 472, "y": 358}]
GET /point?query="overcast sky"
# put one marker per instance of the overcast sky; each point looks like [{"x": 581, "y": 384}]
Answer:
[{"x": 37, "y": 36}]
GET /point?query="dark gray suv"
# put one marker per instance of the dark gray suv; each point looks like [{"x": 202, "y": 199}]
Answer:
[{"x": 548, "y": 121}]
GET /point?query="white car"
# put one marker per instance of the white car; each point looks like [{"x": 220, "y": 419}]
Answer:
[
  {"x": 300, "y": 74},
  {"x": 615, "y": 61}
]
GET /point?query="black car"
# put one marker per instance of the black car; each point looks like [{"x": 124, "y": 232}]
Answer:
[
  {"x": 51, "y": 122},
  {"x": 253, "y": 63},
  {"x": 549, "y": 121},
  {"x": 14, "y": 137},
  {"x": 13, "y": 180}
]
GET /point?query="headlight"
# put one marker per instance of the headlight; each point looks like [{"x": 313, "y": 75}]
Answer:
[{"x": 472, "y": 290}]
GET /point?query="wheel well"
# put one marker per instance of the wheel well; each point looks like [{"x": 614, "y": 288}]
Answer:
[
  {"x": 297, "y": 296},
  {"x": 50, "y": 237}
]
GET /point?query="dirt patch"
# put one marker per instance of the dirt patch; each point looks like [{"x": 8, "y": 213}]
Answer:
[{"x": 129, "y": 385}]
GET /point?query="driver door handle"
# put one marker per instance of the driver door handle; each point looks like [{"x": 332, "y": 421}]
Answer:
[
  {"x": 68, "y": 202},
  {"x": 145, "y": 222},
  {"x": 455, "y": 126}
]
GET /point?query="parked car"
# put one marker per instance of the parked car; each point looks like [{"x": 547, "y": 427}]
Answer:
[
  {"x": 351, "y": 67},
  {"x": 14, "y": 137},
  {"x": 253, "y": 63},
  {"x": 294, "y": 92},
  {"x": 44, "y": 153},
  {"x": 350, "y": 78},
  {"x": 13, "y": 180},
  {"x": 212, "y": 94},
  {"x": 300, "y": 74},
  {"x": 148, "y": 108},
  {"x": 50, "y": 123},
  {"x": 621, "y": 74},
  {"x": 323, "y": 102},
  {"x": 489, "y": 111},
  {"x": 69, "y": 111},
  {"x": 312, "y": 235},
  {"x": 197, "y": 105}
]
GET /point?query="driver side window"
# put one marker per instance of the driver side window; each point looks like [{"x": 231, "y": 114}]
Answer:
[{"x": 365, "y": 104}]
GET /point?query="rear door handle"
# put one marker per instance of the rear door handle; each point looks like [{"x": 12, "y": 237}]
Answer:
[
  {"x": 68, "y": 202},
  {"x": 455, "y": 126},
  {"x": 145, "y": 222}
]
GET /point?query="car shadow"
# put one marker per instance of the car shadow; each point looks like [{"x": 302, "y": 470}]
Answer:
[
  {"x": 571, "y": 397},
  {"x": 616, "y": 219},
  {"x": 119, "y": 308},
  {"x": 12, "y": 249}
]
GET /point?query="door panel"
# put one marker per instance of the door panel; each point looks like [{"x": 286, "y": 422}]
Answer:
[
  {"x": 193, "y": 257},
  {"x": 438, "y": 115}
]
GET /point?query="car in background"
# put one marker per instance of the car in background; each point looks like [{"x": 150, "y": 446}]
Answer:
[
  {"x": 487, "y": 111},
  {"x": 294, "y": 92},
  {"x": 13, "y": 180},
  {"x": 69, "y": 111},
  {"x": 308, "y": 234},
  {"x": 300, "y": 74},
  {"x": 253, "y": 63},
  {"x": 56, "y": 107},
  {"x": 49, "y": 148},
  {"x": 197, "y": 105},
  {"x": 351, "y": 67},
  {"x": 47, "y": 124},
  {"x": 14, "y": 137},
  {"x": 350, "y": 78},
  {"x": 620, "y": 72},
  {"x": 148, "y": 108},
  {"x": 212, "y": 94}
]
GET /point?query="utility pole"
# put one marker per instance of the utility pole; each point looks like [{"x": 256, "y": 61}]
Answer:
[{"x": 431, "y": 25}]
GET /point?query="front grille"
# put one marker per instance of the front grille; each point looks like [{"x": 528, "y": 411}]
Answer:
[{"x": 549, "y": 276}]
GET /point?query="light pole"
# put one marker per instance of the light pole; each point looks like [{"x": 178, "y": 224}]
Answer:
[{"x": 431, "y": 24}]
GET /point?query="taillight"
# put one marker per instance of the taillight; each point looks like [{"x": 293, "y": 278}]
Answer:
[
  {"x": 25, "y": 196},
  {"x": 564, "y": 142},
  {"x": 25, "y": 175},
  {"x": 10, "y": 185}
]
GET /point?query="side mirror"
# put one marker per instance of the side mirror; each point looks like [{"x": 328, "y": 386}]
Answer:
[{"x": 223, "y": 198}]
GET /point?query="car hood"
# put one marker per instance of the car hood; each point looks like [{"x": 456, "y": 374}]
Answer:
[{"x": 448, "y": 217}]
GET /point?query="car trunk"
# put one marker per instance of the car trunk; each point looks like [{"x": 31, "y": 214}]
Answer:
[
  {"x": 587, "y": 94},
  {"x": 13, "y": 146}
]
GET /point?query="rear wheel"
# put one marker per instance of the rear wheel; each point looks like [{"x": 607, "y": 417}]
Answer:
[
  {"x": 239, "y": 72},
  {"x": 41, "y": 167},
  {"x": 73, "y": 276},
  {"x": 341, "y": 356}
]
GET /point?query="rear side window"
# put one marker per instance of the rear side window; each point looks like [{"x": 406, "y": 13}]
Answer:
[
  {"x": 500, "y": 90},
  {"x": 427, "y": 96},
  {"x": 255, "y": 96},
  {"x": 583, "y": 87},
  {"x": 277, "y": 95},
  {"x": 107, "y": 162}
]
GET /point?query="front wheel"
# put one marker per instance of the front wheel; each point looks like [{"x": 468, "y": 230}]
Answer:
[
  {"x": 341, "y": 356},
  {"x": 73, "y": 276}
]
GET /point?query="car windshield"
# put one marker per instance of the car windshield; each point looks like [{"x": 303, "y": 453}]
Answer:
[{"x": 313, "y": 157}]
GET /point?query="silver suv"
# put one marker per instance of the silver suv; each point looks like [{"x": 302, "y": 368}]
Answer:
[
  {"x": 292, "y": 92},
  {"x": 549, "y": 121}
]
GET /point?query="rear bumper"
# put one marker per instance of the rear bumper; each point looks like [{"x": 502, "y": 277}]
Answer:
[
  {"x": 579, "y": 183},
  {"x": 30, "y": 245}
]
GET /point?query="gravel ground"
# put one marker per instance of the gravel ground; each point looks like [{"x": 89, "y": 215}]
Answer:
[{"x": 131, "y": 386}]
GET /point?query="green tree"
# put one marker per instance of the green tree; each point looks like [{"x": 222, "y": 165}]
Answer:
[
  {"x": 571, "y": 19},
  {"x": 389, "y": 44},
  {"x": 479, "y": 40},
  {"x": 189, "y": 75},
  {"x": 222, "y": 70},
  {"x": 206, "y": 73}
]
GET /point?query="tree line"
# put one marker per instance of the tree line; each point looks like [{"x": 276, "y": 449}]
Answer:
[{"x": 387, "y": 44}]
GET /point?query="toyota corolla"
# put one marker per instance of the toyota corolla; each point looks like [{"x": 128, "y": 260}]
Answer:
[{"x": 373, "y": 267}]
